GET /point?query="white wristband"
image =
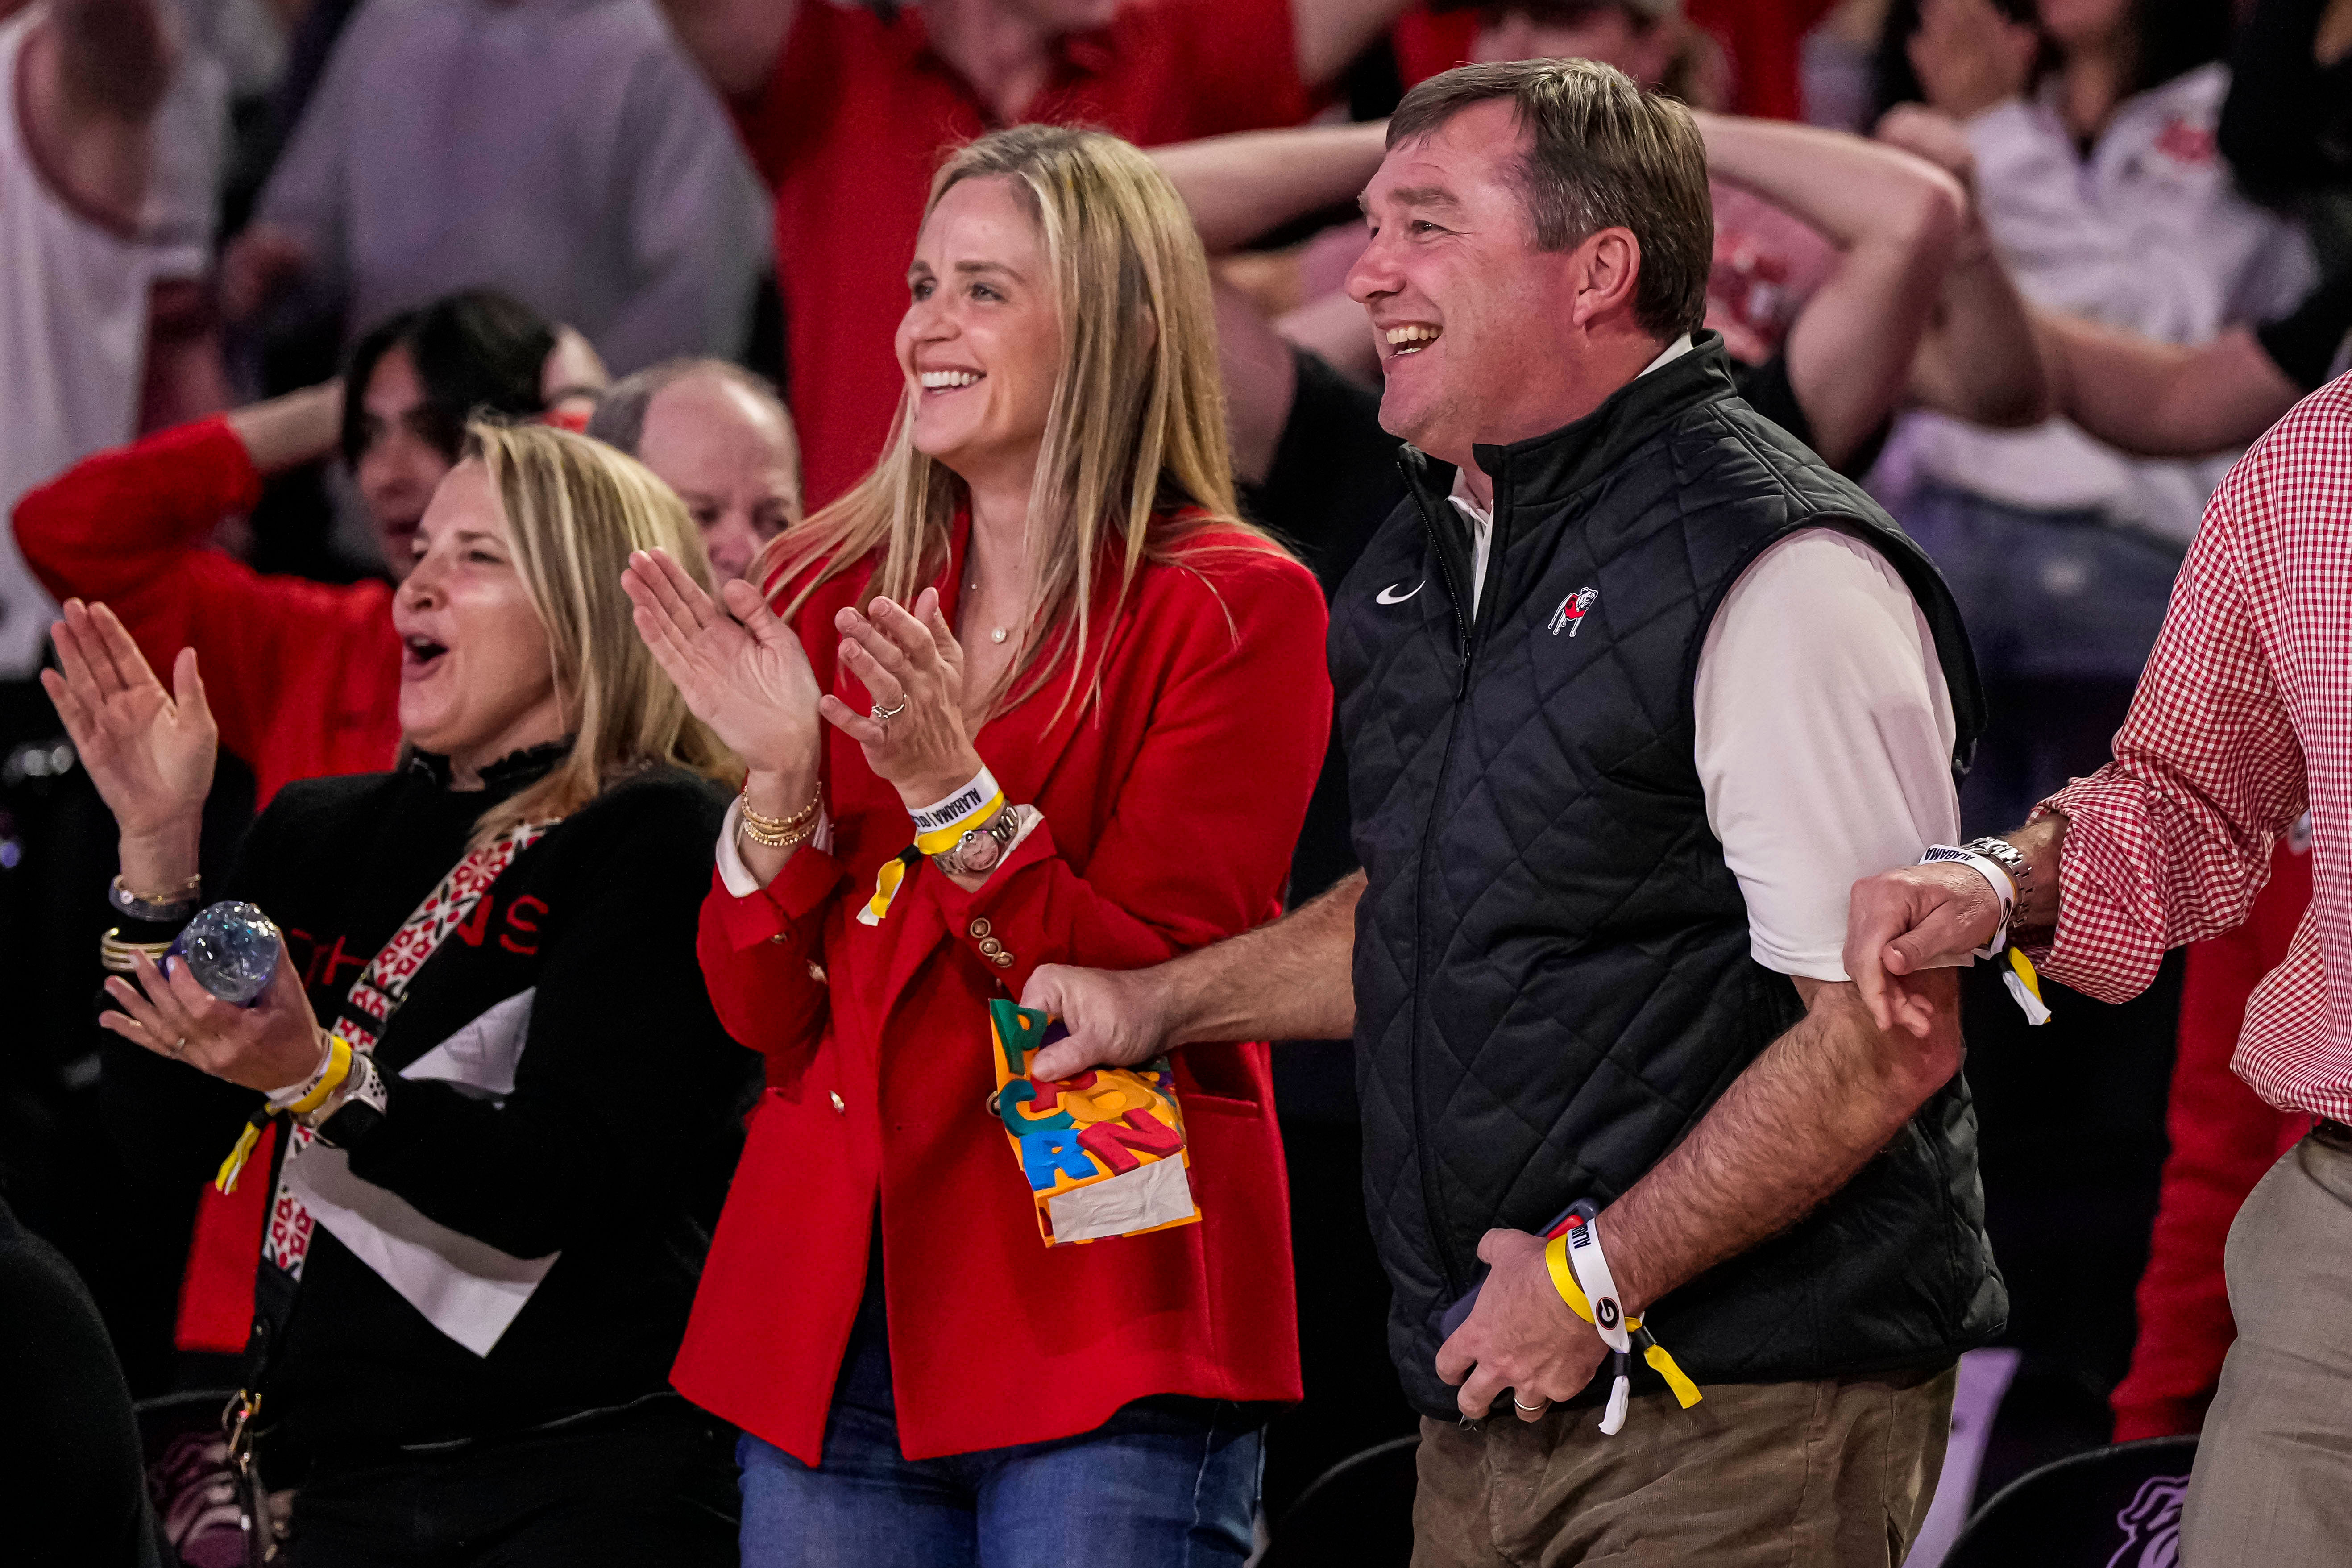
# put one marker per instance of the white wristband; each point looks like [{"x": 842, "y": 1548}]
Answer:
[
  {"x": 963, "y": 803},
  {"x": 1996, "y": 876},
  {"x": 1592, "y": 1269}
]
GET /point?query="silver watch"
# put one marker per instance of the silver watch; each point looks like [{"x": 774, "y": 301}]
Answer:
[
  {"x": 976, "y": 853},
  {"x": 2008, "y": 857}
]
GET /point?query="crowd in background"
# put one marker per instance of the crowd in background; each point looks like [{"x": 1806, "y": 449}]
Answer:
[{"x": 2036, "y": 271}]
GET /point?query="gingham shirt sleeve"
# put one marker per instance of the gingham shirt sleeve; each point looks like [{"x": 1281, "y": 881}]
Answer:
[{"x": 2170, "y": 842}]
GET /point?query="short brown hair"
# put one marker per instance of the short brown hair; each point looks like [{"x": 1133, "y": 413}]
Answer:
[{"x": 1605, "y": 154}]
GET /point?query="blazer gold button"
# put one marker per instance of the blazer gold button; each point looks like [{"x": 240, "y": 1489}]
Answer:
[
  {"x": 1002, "y": 960},
  {"x": 816, "y": 972},
  {"x": 981, "y": 928},
  {"x": 781, "y": 936},
  {"x": 991, "y": 946},
  {"x": 838, "y": 1104}
]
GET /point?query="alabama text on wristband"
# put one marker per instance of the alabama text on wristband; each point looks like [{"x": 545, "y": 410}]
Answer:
[
  {"x": 1996, "y": 876},
  {"x": 939, "y": 827}
]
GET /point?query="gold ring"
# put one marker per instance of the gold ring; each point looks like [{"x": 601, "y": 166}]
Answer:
[
  {"x": 181, "y": 1048},
  {"x": 884, "y": 715},
  {"x": 1530, "y": 1409}
]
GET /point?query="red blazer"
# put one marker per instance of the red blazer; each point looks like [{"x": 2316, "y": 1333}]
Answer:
[{"x": 1171, "y": 803}]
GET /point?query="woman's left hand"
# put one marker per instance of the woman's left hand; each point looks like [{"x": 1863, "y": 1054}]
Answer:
[
  {"x": 909, "y": 661},
  {"x": 274, "y": 1043}
]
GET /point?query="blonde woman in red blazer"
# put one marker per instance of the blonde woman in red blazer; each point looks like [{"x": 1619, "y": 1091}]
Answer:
[{"x": 1044, "y": 576}]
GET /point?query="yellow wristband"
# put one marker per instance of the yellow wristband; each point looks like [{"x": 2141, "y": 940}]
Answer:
[
  {"x": 338, "y": 1067},
  {"x": 1563, "y": 1279}
]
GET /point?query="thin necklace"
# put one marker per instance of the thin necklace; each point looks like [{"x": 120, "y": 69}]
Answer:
[{"x": 995, "y": 634}]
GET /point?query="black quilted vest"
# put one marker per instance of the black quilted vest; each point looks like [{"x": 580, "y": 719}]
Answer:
[{"x": 1551, "y": 963}]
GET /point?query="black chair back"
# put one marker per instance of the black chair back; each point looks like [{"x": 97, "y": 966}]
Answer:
[
  {"x": 1358, "y": 1513},
  {"x": 2111, "y": 1508}
]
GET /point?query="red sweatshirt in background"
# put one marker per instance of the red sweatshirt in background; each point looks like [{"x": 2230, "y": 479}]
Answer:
[
  {"x": 303, "y": 678},
  {"x": 2224, "y": 1137}
]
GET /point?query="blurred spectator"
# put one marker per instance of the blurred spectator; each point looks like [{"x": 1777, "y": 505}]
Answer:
[
  {"x": 559, "y": 150},
  {"x": 1741, "y": 56},
  {"x": 101, "y": 214},
  {"x": 2092, "y": 135},
  {"x": 720, "y": 438},
  {"x": 73, "y": 1481},
  {"x": 2165, "y": 400},
  {"x": 2224, "y": 1139},
  {"x": 846, "y": 108},
  {"x": 1847, "y": 281},
  {"x": 2288, "y": 130}
]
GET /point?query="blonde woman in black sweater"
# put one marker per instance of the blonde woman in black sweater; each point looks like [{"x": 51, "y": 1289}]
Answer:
[{"x": 515, "y": 1114}]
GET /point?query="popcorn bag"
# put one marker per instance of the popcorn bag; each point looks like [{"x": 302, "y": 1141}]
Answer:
[{"x": 1103, "y": 1153}]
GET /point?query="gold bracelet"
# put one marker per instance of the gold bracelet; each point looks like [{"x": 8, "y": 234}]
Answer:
[
  {"x": 114, "y": 953},
  {"x": 780, "y": 832}
]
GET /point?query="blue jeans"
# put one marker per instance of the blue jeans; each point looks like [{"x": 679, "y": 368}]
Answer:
[
  {"x": 1168, "y": 1483},
  {"x": 2062, "y": 609}
]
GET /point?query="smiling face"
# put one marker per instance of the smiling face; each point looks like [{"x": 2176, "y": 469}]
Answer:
[
  {"x": 399, "y": 463},
  {"x": 1475, "y": 327},
  {"x": 729, "y": 459},
  {"x": 476, "y": 678},
  {"x": 981, "y": 345}
]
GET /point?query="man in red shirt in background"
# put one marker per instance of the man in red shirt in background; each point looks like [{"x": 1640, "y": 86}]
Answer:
[{"x": 846, "y": 108}]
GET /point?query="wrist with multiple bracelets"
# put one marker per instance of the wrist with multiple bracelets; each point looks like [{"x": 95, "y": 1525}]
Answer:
[
  {"x": 1573, "y": 1255},
  {"x": 2010, "y": 876},
  {"x": 780, "y": 832},
  {"x": 967, "y": 834},
  {"x": 148, "y": 922}
]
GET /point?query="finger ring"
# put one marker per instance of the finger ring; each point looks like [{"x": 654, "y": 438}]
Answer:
[
  {"x": 886, "y": 714},
  {"x": 1532, "y": 1409},
  {"x": 180, "y": 1049}
]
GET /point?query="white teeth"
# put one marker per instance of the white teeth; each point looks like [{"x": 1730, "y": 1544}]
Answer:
[
  {"x": 940, "y": 380},
  {"x": 1412, "y": 334}
]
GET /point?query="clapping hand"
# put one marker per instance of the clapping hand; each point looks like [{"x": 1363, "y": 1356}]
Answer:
[
  {"x": 911, "y": 664},
  {"x": 742, "y": 670},
  {"x": 150, "y": 752}
]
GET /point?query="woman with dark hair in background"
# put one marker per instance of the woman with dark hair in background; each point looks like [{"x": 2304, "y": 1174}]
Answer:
[{"x": 305, "y": 674}]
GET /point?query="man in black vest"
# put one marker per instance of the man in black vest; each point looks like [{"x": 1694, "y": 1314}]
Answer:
[{"x": 1633, "y": 688}]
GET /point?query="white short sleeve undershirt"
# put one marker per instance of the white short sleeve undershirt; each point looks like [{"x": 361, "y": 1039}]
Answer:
[{"x": 1824, "y": 739}]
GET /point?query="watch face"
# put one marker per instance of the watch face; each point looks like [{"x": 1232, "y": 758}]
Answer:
[{"x": 978, "y": 851}]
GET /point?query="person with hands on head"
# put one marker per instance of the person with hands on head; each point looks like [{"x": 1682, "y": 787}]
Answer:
[
  {"x": 1633, "y": 688},
  {"x": 513, "y": 1112},
  {"x": 1031, "y": 695}
]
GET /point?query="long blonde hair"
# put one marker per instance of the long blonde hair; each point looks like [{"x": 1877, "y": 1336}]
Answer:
[
  {"x": 574, "y": 509},
  {"x": 1135, "y": 429}
]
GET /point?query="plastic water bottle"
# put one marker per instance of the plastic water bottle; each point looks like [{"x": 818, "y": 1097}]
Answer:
[{"x": 231, "y": 947}]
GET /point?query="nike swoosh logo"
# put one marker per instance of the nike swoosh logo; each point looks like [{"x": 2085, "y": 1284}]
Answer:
[{"x": 1389, "y": 596}]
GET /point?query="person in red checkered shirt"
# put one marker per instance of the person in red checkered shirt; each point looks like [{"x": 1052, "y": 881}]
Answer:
[{"x": 2241, "y": 721}]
